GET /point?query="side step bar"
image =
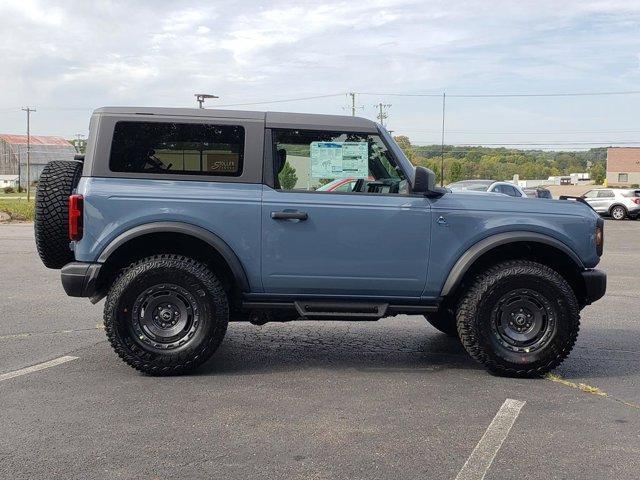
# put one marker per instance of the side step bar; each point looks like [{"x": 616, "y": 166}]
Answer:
[
  {"x": 346, "y": 310},
  {"x": 339, "y": 310}
]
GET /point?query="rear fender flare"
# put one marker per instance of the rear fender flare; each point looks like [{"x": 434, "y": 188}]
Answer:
[{"x": 200, "y": 233}]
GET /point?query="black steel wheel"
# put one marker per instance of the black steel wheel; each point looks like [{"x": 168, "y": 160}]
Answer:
[
  {"x": 166, "y": 314},
  {"x": 523, "y": 320},
  {"x": 519, "y": 318}
]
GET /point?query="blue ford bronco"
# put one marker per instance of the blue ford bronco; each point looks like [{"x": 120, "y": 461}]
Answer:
[{"x": 186, "y": 219}]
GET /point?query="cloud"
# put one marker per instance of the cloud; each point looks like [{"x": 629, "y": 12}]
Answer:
[{"x": 81, "y": 55}]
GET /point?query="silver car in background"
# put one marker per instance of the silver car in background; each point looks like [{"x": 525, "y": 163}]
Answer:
[
  {"x": 618, "y": 203},
  {"x": 493, "y": 186}
]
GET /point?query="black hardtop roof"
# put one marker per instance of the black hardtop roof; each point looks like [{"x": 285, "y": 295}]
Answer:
[{"x": 271, "y": 119}]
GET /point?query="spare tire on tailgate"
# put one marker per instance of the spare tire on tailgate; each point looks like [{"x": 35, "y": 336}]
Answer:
[{"x": 57, "y": 182}]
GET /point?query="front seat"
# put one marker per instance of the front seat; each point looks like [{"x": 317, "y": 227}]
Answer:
[{"x": 278, "y": 165}]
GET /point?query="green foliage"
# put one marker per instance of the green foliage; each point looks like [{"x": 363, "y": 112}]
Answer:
[
  {"x": 404, "y": 143},
  {"x": 598, "y": 173},
  {"x": 19, "y": 210},
  {"x": 503, "y": 163},
  {"x": 288, "y": 177},
  {"x": 455, "y": 171}
]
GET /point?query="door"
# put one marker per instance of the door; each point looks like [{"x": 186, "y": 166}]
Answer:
[
  {"x": 371, "y": 241},
  {"x": 591, "y": 197}
]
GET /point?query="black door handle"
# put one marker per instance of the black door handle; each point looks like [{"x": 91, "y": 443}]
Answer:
[{"x": 289, "y": 215}]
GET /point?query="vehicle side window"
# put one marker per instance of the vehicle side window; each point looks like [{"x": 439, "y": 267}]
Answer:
[
  {"x": 507, "y": 190},
  {"x": 304, "y": 160},
  {"x": 591, "y": 194},
  {"x": 177, "y": 148},
  {"x": 605, "y": 194}
]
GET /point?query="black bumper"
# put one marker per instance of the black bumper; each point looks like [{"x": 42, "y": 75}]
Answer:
[
  {"x": 595, "y": 283},
  {"x": 79, "y": 279}
]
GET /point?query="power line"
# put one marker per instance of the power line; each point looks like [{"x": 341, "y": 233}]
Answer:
[
  {"x": 506, "y": 95},
  {"x": 482, "y": 144},
  {"x": 557, "y": 132},
  {"x": 284, "y": 100}
]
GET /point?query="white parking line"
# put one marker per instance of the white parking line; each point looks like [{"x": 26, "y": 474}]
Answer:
[
  {"x": 476, "y": 466},
  {"x": 35, "y": 368}
]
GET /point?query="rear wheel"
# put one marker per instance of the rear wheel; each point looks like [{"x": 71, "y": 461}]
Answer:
[
  {"x": 57, "y": 182},
  {"x": 618, "y": 212},
  {"x": 166, "y": 314},
  {"x": 519, "y": 318}
]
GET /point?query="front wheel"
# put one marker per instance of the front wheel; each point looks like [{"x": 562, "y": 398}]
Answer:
[
  {"x": 166, "y": 314},
  {"x": 519, "y": 318}
]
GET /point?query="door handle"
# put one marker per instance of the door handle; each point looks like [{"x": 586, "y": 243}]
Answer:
[{"x": 302, "y": 216}]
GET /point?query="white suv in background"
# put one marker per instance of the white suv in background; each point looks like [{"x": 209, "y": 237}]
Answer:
[
  {"x": 617, "y": 202},
  {"x": 506, "y": 188}
]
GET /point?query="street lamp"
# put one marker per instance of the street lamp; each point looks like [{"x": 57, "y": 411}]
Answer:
[{"x": 201, "y": 97}]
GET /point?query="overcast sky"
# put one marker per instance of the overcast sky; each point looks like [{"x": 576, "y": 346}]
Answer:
[{"x": 66, "y": 58}]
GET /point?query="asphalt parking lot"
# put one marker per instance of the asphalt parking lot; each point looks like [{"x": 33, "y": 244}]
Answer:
[{"x": 307, "y": 400}]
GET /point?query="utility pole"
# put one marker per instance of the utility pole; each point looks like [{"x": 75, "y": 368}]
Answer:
[
  {"x": 444, "y": 98},
  {"x": 79, "y": 142},
  {"x": 201, "y": 97},
  {"x": 28, "y": 110},
  {"x": 383, "y": 115},
  {"x": 353, "y": 103}
]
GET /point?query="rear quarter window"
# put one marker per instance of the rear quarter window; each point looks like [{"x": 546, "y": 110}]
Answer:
[{"x": 177, "y": 148}]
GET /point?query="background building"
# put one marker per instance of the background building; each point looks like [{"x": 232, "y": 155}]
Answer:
[
  {"x": 13, "y": 154},
  {"x": 623, "y": 166}
]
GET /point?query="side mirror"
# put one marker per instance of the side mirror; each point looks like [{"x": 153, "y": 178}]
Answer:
[{"x": 424, "y": 182}]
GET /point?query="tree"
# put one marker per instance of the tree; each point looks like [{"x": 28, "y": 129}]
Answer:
[
  {"x": 288, "y": 177},
  {"x": 455, "y": 171},
  {"x": 598, "y": 174},
  {"x": 404, "y": 143}
]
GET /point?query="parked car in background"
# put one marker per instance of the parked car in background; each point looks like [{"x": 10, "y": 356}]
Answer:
[
  {"x": 538, "y": 192},
  {"x": 617, "y": 203},
  {"x": 493, "y": 186},
  {"x": 339, "y": 185}
]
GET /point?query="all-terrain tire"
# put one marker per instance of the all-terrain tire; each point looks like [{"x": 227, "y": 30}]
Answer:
[
  {"x": 57, "y": 182},
  {"x": 192, "y": 283},
  {"x": 444, "y": 321},
  {"x": 484, "y": 309}
]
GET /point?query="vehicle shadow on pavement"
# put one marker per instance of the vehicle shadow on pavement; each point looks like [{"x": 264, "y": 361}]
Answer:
[{"x": 254, "y": 350}]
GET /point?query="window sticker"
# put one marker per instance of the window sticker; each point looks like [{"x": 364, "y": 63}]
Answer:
[{"x": 339, "y": 159}]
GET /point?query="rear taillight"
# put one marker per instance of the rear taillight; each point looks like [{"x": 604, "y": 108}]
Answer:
[
  {"x": 600, "y": 238},
  {"x": 75, "y": 217},
  {"x": 636, "y": 200}
]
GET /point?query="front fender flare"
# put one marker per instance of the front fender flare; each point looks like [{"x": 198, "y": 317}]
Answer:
[
  {"x": 468, "y": 258},
  {"x": 200, "y": 233}
]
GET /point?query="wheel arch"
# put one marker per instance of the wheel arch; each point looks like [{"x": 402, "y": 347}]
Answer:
[
  {"x": 172, "y": 237},
  {"x": 510, "y": 245},
  {"x": 626, "y": 212}
]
